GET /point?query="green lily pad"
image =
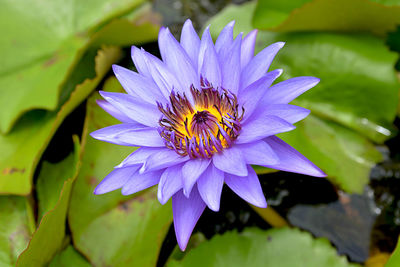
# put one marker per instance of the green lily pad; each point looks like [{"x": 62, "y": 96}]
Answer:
[
  {"x": 352, "y": 107},
  {"x": 52, "y": 181},
  {"x": 55, "y": 180},
  {"x": 394, "y": 259},
  {"x": 377, "y": 16},
  {"x": 16, "y": 226},
  {"x": 23, "y": 147},
  {"x": 111, "y": 229},
  {"x": 69, "y": 258},
  {"x": 37, "y": 60},
  {"x": 254, "y": 247}
]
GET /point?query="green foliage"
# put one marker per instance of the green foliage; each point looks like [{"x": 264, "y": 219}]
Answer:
[
  {"x": 394, "y": 260},
  {"x": 23, "y": 147},
  {"x": 51, "y": 46},
  {"x": 16, "y": 227},
  {"x": 112, "y": 229},
  {"x": 348, "y": 112},
  {"x": 375, "y": 16},
  {"x": 54, "y": 197},
  {"x": 69, "y": 258},
  {"x": 276, "y": 247}
]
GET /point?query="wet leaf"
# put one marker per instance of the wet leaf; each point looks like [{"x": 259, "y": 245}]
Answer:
[
  {"x": 112, "y": 229},
  {"x": 394, "y": 260},
  {"x": 37, "y": 60},
  {"x": 69, "y": 257},
  {"x": 254, "y": 247},
  {"x": 16, "y": 227},
  {"x": 23, "y": 147},
  {"x": 347, "y": 223},
  {"x": 353, "y": 106},
  {"x": 55, "y": 180},
  {"x": 378, "y": 17}
]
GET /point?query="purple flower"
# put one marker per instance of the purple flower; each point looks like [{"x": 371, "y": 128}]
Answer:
[{"x": 201, "y": 117}]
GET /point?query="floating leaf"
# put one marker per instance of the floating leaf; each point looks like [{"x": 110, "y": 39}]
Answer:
[
  {"x": 16, "y": 227},
  {"x": 112, "y": 229},
  {"x": 23, "y": 147},
  {"x": 354, "y": 104},
  {"x": 37, "y": 60},
  {"x": 394, "y": 260},
  {"x": 69, "y": 258},
  {"x": 254, "y": 247},
  {"x": 49, "y": 236},
  {"x": 378, "y": 17}
]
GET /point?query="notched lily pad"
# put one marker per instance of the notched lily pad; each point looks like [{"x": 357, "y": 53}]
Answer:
[
  {"x": 23, "y": 147},
  {"x": 377, "y": 17},
  {"x": 38, "y": 59},
  {"x": 254, "y": 247}
]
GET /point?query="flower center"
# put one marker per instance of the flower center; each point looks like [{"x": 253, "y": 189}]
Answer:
[{"x": 202, "y": 129}]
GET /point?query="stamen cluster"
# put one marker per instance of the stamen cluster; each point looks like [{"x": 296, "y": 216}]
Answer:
[{"x": 208, "y": 126}]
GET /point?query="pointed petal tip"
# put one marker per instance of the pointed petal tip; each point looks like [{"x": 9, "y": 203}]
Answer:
[
  {"x": 134, "y": 49},
  {"x": 124, "y": 192},
  {"x": 262, "y": 205},
  {"x": 277, "y": 72},
  {"x": 213, "y": 207},
  {"x": 319, "y": 173},
  {"x": 188, "y": 21},
  {"x": 97, "y": 191},
  {"x": 280, "y": 44}
]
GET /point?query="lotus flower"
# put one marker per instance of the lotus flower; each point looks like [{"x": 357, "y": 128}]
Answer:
[{"x": 201, "y": 117}]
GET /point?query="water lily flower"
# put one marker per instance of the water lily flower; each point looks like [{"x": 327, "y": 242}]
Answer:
[{"x": 201, "y": 117}]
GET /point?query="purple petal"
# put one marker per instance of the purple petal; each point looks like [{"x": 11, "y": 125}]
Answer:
[
  {"x": 110, "y": 109},
  {"x": 248, "y": 44},
  {"x": 231, "y": 160},
  {"x": 259, "y": 64},
  {"x": 139, "y": 60},
  {"x": 225, "y": 38},
  {"x": 162, "y": 159},
  {"x": 248, "y": 188},
  {"x": 260, "y": 126},
  {"x": 210, "y": 186},
  {"x": 206, "y": 41},
  {"x": 115, "y": 179},
  {"x": 252, "y": 94},
  {"x": 191, "y": 171},
  {"x": 190, "y": 41},
  {"x": 286, "y": 91},
  {"x": 229, "y": 60},
  {"x": 291, "y": 160},
  {"x": 177, "y": 60},
  {"x": 139, "y": 182},
  {"x": 258, "y": 153},
  {"x": 210, "y": 67},
  {"x": 139, "y": 111},
  {"x": 139, "y": 156},
  {"x": 162, "y": 76},
  {"x": 171, "y": 182},
  {"x": 187, "y": 212},
  {"x": 127, "y": 134},
  {"x": 138, "y": 85},
  {"x": 287, "y": 112}
]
